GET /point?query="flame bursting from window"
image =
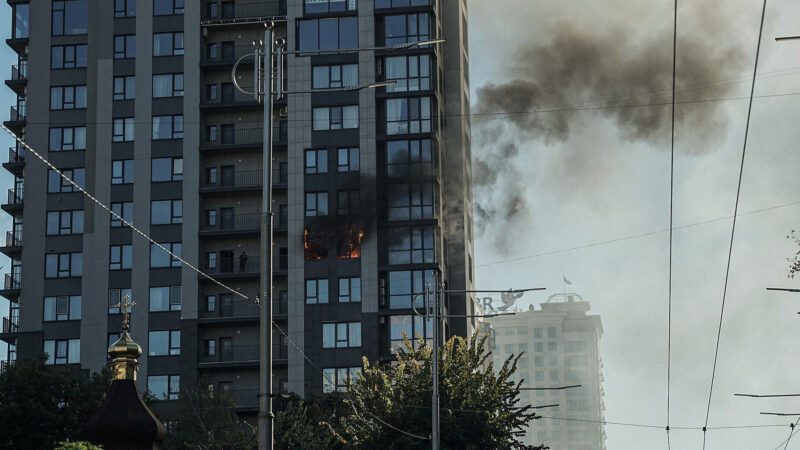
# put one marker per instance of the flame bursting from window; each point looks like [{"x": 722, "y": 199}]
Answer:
[
  {"x": 350, "y": 246},
  {"x": 314, "y": 248}
]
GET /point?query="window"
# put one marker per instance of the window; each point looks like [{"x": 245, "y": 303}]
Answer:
[
  {"x": 166, "y": 212},
  {"x": 112, "y": 338},
  {"x": 124, "y": 8},
  {"x": 316, "y": 291},
  {"x": 412, "y": 327},
  {"x": 410, "y": 201},
  {"x": 124, "y": 210},
  {"x": 57, "y": 184},
  {"x": 575, "y": 346},
  {"x": 575, "y": 361},
  {"x": 160, "y": 258},
  {"x": 116, "y": 297},
  {"x": 63, "y": 351},
  {"x": 400, "y": 3},
  {"x": 121, "y": 257},
  {"x": 316, "y": 204},
  {"x": 402, "y": 29},
  {"x": 64, "y": 222},
  {"x": 125, "y": 88},
  {"x": 523, "y": 348},
  {"x": 163, "y": 343},
  {"x": 348, "y": 160},
  {"x": 409, "y": 158},
  {"x": 538, "y": 347},
  {"x": 168, "y": 127},
  {"x": 341, "y": 335},
  {"x": 70, "y": 17},
  {"x": 552, "y": 332},
  {"x": 167, "y": 7},
  {"x": 211, "y": 260},
  {"x": 553, "y": 375},
  {"x": 167, "y": 44},
  {"x": 338, "y": 379},
  {"x": 63, "y": 307},
  {"x": 523, "y": 363},
  {"x": 168, "y": 85},
  {"x": 211, "y": 303},
  {"x": 164, "y": 387},
  {"x": 335, "y": 76},
  {"x": 537, "y": 333},
  {"x": 408, "y": 115},
  {"x": 63, "y": 265},
  {"x": 349, "y": 290},
  {"x": 508, "y": 348},
  {"x": 122, "y": 171},
  {"x": 21, "y": 21},
  {"x": 123, "y": 130},
  {"x": 552, "y": 360},
  {"x": 125, "y": 46},
  {"x": 316, "y": 161},
  {"x": 324, "y": 6},
  {"x": 412, "y": 73},
  {"x": 349, "y": 202},
  {"x": 403, "y": 286},
  {"x": 327, "y": 34},
  {"x": 67, "y": 139},
  {"x": 411, "y": 245},
  {"x": 67, "y": 97},
  {"x": 538, "y": 361},
  {"x": 212, "y": 92},
  {"x": 68, "y": 56},
  {"x": 166, "y": 169},
  {"x": 335, "y": 118},
  {"x": 165, "y": 298},
  {"x": 209, "y": 347}
]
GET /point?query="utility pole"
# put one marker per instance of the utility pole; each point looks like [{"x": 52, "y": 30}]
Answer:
[{"x": 435, "y": 437}]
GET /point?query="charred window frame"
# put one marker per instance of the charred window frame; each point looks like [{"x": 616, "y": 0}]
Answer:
[{"x": 348, "y": 202}]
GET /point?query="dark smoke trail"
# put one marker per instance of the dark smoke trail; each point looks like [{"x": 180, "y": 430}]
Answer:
[{"x": 573, "y": 68}]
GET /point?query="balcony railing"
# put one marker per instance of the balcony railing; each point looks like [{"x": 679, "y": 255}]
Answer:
[
  {"x": 239, "y": 178},
  {"x": 242, "y": 11},
  {"x": 5, "y": 365},
  {"x": 235, "y": 222},
  {"x": 12, "y": 282},
  {"x": 17, "y": 114},
  {"x": 234, "y": 266},
  {"x": 19, "y": 72},
  {"x": 246, "y": 136},
  {"x": 234, "y": 353},
  {"x": 244, "y": 397},
  {"x": 13, "y": 238},
  {"x": 15, "y": 198},
  {"x": 16, "y": 155},
  {"x": 280, "y": 222},
  {"x": 10, "y": 324},
  {"x": 230, "y": 99},
  {"x": 234, "y": 308},
  {"x": 224, "y": 55}
]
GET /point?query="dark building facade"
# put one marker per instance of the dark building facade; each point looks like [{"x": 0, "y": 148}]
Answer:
[{"x": 133, "y": 99}]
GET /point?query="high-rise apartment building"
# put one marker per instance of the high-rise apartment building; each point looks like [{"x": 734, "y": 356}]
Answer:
[
  {"x": 133, "y": 99},
  {"x": 560, "y": 346}
]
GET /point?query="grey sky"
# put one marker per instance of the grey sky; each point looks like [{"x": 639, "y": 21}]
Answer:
[{"x": 597, "y": 184}]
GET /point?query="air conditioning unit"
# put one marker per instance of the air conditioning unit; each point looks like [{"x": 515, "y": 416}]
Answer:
[{"x": 283, "y": 112}]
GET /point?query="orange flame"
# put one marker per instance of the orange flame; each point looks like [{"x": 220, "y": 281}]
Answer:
[
  {"x": 351, "y": 247},
  {"x": 312, "y": 249}
]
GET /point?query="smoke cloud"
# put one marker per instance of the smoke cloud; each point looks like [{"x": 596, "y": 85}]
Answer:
[{"x": 569, "y": 75}]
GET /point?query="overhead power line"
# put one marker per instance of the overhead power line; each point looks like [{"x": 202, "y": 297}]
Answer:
[
  {"x": 733, "y": 225},
  {"x": 671, "y": 211}
]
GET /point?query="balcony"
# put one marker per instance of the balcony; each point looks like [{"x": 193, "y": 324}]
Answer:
[
  {"x": 244, "y": 138},
  {"x": 229, "y": 100},
  {"x": 224, "y": 56},
  {"x": 243, "y": 13},
  {"x": 10, "y": 329},
  {"x": 230, "y": 357},
  {"x": 16, "y": 120},
  {"x": 233, "y": 224},
  {"x": 234, "y": 310},
  {"x": 13, "y": 245},
  {"x": 16, "y": 161},
  {"x": 19, "y": 79},
  {"x": 231, "y": 268},
  {"x": 243, "y": 181},
  {"x": 15, "y": 201},
  {"x": 11, "y": 286}
]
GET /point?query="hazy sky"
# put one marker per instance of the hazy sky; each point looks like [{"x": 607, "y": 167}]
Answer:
[
  {"x": 583, "y": 177},
  {"x": 595, "y": 175}
]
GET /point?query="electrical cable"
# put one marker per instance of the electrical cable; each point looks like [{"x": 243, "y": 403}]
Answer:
[
  {"x": 733, "y": 226},
  {"x": 671, "y": 211}
]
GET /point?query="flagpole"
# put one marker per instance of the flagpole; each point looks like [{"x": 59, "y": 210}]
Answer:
[{"x": 564, "y": 283}]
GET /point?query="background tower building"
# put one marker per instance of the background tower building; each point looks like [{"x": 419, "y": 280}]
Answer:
[
  {"x": 560, "y": 346},
  {"x": 133, "y": 100}
]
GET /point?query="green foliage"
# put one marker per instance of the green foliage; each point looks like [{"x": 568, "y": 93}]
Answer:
[
  {"x": 479, "y": 407},
  {"x": 206, "y": 420},
  {"x": 309, "y": 424},
  {"x": 80, "y": 445},
  {"x": 41, "y": 405},
  {"x": 794, "y": 263}
]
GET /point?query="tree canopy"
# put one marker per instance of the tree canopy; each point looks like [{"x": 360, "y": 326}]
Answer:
[{"x": 41, "y": 406}]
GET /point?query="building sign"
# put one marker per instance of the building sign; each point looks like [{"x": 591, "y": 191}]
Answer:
[{"x": 507, "y": 300}]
